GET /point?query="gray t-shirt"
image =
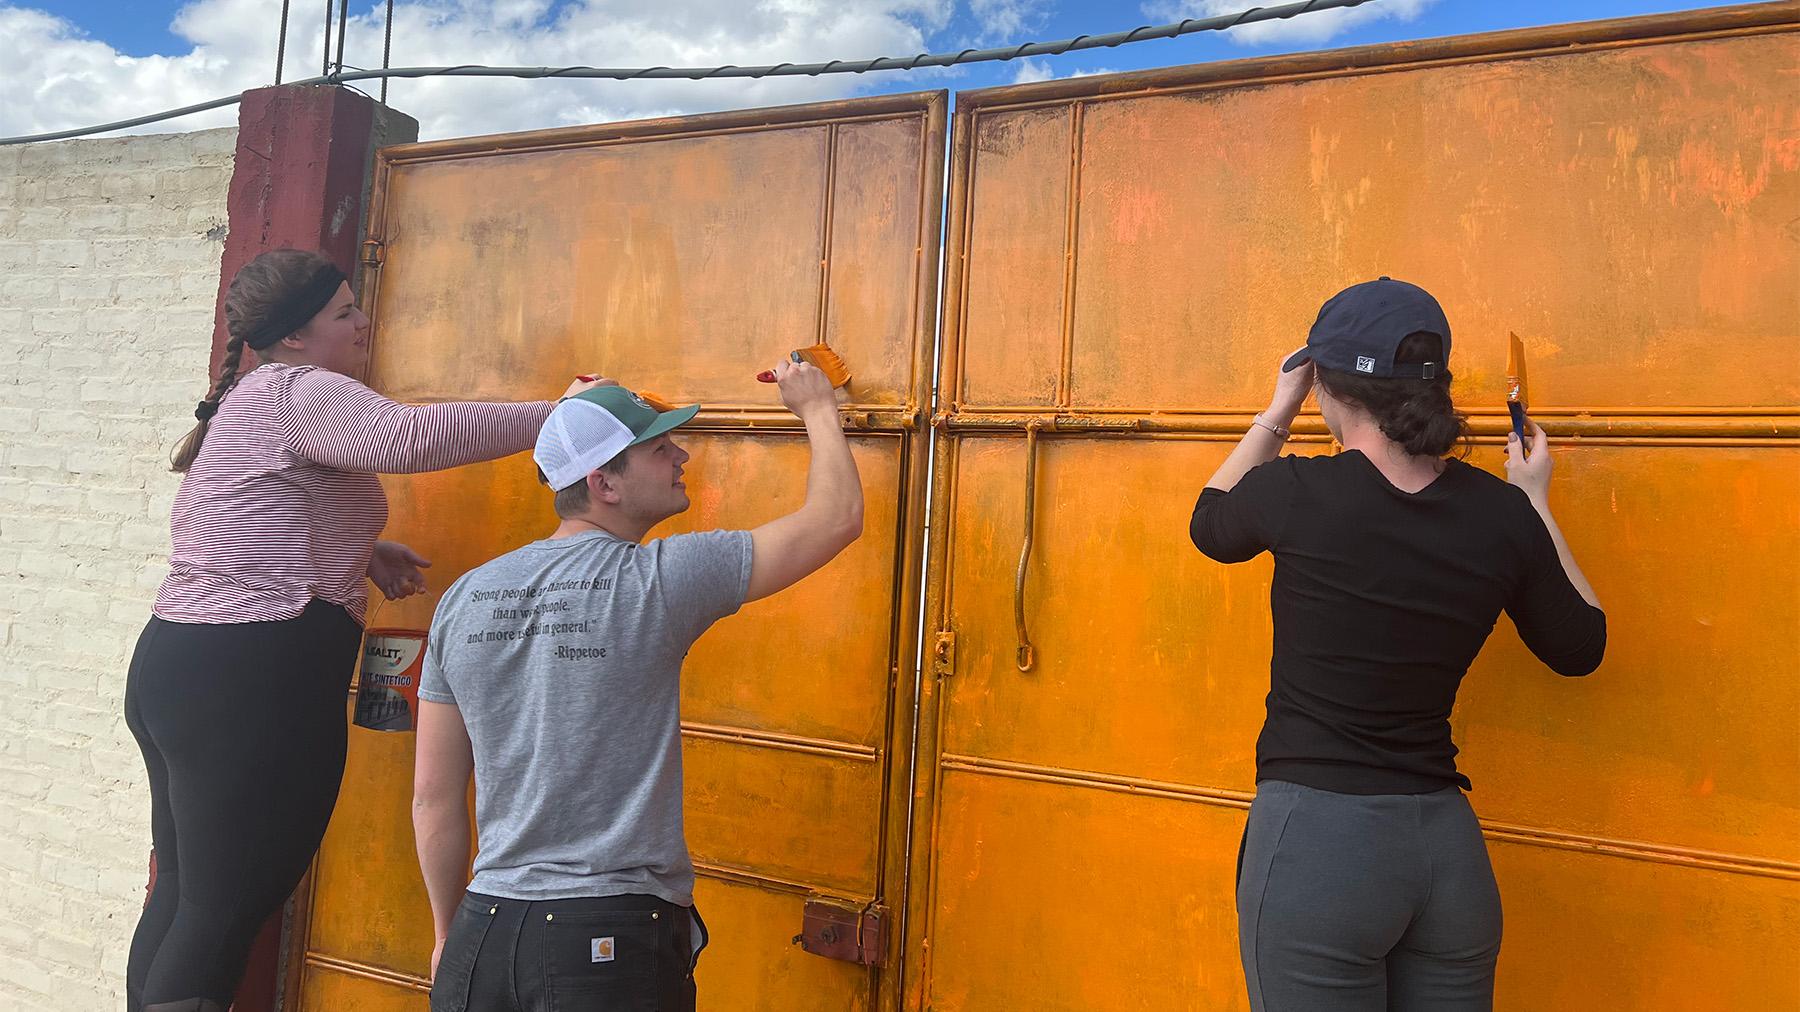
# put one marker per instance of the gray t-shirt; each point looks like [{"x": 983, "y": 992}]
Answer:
[{"x": 564, "y": 657}]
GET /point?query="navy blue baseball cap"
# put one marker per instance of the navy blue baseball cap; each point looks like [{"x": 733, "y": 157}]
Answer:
[{"x": 1359, "y": 330}]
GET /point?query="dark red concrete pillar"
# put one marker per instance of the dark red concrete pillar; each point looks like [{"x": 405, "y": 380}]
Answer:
[{"x": 302, "y": 176}]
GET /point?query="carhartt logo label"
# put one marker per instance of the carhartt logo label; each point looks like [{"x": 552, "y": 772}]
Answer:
[
  {"x": 1365, "y": 364},
  {"x": 601, "y": 949}
]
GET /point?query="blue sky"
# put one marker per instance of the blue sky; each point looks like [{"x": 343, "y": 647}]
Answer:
[{"x": 88, "y": 60}]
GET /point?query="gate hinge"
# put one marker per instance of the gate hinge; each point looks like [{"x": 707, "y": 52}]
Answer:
[
  {"x": 943, "y": 654},
  {"x": 844, "y": 929},
  {"x": 374, "y": 253}
]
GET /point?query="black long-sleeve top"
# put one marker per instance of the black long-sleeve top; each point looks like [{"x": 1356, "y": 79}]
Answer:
[{"x": 1381, "y": 600}]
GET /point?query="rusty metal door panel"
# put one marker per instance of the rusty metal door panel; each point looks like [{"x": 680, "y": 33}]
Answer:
[
  {"x": 782, "y": 813},
  {"x": 1136, "y": 634},
  {"x": 748, "y": 967},
  {"x": 1132, "y": 256},
  {"x": 678, "y": 256},
  {"x": 685, "y": 258},
  {"x": 1590, "y": 931},
  {"x": 1688, "y": 737},
  {"x": 1016, "y": 255},
  {"x": 364, "y": 856},
  {"x": 582, "y": 257},
  {"x": 844, "y": 677},
  {"x": 1061, "y": 898},
  {"x": 1596, "y": 203}
]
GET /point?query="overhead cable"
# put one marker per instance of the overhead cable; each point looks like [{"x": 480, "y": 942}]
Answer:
[
  {"x": 1144, "y": 33},
  {"x": 387, "y": 47},
  {"x": 281, "y": 43}
]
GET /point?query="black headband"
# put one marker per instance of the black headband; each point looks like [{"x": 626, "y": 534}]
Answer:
[{"x": 295, "y": 310}]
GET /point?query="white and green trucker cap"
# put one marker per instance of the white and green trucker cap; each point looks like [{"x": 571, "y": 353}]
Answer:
[{"x": 585, "y": 431}]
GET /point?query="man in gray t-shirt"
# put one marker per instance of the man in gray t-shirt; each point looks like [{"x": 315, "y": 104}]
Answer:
[{"x": 553, "y": 676}]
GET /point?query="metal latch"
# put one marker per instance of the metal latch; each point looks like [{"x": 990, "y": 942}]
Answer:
[
  {"x": 844, "y": 929},
  {"x": 943, "y": 654},
  {"x": 374, "y": 252}
]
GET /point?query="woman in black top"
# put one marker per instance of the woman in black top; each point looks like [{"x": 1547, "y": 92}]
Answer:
[{"x": 1363, "y": 880}]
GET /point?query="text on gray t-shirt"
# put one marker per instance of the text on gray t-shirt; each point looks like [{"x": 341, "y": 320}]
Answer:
[{"x": 564, "y": 658}]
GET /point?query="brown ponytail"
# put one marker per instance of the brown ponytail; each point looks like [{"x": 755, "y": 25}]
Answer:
[
  {"x": 1416, "y": 413},
  {"x": 257, "y": 292}
]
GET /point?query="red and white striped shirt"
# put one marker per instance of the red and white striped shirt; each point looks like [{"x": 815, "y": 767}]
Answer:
[{"x": 283, "y": 505}]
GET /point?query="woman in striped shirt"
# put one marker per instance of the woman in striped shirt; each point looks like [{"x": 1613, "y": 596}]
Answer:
[{"x": 237, "y": 690}]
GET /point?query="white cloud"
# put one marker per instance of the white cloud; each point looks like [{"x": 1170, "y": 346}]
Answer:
[
  {"x": 1005, "y": 21},
  {"x": 1032, "y": 70},
  {"x": 1314, "y": 28},
  {"x": 55, "y": 77}
]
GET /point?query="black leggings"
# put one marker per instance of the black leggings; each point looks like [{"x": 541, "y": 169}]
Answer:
[{"x": 243, "y": 732}]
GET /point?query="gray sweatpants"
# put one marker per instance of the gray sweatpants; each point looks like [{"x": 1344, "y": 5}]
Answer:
[{"x": 1377, "y": 902}]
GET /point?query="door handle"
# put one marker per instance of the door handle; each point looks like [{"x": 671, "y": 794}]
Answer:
[{"x": 1027, "y": 655}]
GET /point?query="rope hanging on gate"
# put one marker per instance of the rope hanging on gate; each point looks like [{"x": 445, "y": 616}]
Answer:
[{"x": 1003, "y": 54}]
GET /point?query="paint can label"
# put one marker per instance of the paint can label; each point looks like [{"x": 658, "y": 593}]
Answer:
[{"x": 387, "y": 694}]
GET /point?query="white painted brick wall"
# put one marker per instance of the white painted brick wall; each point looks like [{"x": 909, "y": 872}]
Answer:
[{"x": 109, "y": 265}]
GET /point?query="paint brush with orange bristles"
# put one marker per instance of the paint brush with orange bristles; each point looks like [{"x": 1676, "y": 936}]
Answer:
[
  {"x": 656, "y": 401},
  {"x": 822, "y": 357}
]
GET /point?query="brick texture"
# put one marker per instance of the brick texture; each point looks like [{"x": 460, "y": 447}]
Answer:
[{"x": 109, "y": 265}]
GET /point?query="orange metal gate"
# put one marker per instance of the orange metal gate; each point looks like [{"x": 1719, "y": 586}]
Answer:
[
  {"x": 679, "y": 256},
  {"x": 1129, "y": 257}
]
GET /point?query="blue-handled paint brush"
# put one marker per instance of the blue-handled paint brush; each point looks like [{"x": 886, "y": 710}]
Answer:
[{"x": 1515, "y": 387}]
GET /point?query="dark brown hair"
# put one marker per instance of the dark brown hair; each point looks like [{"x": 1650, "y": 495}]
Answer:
[
  {"x": 257, "y": 291},
  {"x": 574, "y": 499},
  {"x": 1416, "y": 413}
]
